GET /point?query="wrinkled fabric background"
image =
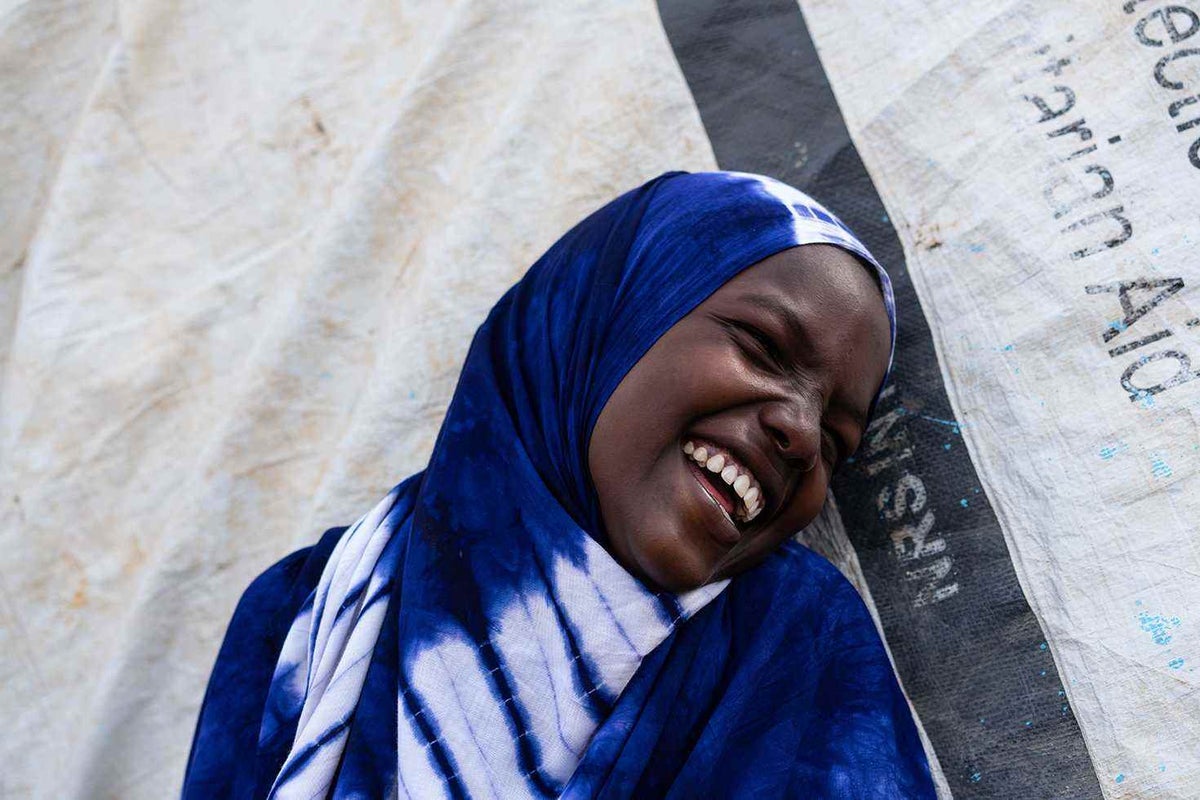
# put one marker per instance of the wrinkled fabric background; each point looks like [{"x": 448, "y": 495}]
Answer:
[
  {"x": 243, "y": 248},
  {"x": 1097, "y": 492}
]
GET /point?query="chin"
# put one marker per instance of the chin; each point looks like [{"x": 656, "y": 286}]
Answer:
[{"x": 674, "y": 568}]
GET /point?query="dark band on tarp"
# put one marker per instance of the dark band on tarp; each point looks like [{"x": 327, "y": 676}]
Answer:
[{"x": 968, "y": 648}]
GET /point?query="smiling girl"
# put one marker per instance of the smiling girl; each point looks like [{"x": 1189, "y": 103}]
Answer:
[
  {"x": 592, "y": 589},
  {"x": 750, "y": 401}
]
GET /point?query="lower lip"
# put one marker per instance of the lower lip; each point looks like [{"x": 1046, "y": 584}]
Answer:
[{"x": 728, "y": 533}]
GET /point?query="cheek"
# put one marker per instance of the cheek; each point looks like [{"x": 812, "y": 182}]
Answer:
[
  {"x": 717, "y": 378},
  {"x": 806, "y": 505},
  {"x": 809, "y": 500},
  {"x": 638, "y": 471},
  {"x": 682, "y": 378}
]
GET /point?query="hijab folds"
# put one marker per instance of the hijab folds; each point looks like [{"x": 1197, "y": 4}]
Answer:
[{"x": 470, "y": 636}]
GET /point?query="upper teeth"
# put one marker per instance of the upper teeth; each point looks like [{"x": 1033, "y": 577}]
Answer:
[{"x": 733, "y": 473}]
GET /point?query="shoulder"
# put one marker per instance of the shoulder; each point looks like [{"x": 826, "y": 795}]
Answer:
[
  {"x": 287, "y": 582},
  {"x": 267, "y": 606},
  {"x": 811, "y": 646},
  {"x": 797, "y": 587},
  {"x": 795, "y": 559},
  {"x": 231, "y": 714}
]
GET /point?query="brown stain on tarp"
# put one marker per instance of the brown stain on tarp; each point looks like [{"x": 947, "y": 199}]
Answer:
[
  {"x": 318, "y": 125},
  {"x": 79, "y": 599},
  {"x": 134, "y": 559},
  {"x": 928, "y": 237}
]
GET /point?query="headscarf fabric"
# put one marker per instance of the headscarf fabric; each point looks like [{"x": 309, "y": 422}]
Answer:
[{"x": 471, "y": 635}]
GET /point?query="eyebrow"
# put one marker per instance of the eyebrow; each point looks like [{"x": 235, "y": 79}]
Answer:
[{"x": 798, "y": 331}]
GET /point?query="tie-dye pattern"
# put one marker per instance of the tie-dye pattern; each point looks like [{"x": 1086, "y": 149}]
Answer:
[{"x": 471, "y": 635}]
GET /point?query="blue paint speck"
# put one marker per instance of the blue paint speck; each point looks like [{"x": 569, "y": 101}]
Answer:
[
  {"x": 1158, "y": 627},
  {"x": 976, "y": 777},
  {"x": 1042, "y": 646},
  {"x": 977, "y": 248},
  {"x": 963, "y": 502},
  {"x": 1120, "y": 777},
  {"x": 411, "y": 394},
  {"x": 1042, "y": 673},
  {"x": 946, "y": 446},
  {"x": 1159, "y": 467},
  {"x": 1028, "y": 723},
  {"x": 1175, "y": 663},
  {"x": 949, "y": 423},
  {"x": 1162, "y": 767}
]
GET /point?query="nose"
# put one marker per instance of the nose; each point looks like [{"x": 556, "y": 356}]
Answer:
[{"x": 794, "y": 426}]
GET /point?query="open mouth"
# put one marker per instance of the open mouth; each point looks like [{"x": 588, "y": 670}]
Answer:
[{"x": 730, "y": 484}]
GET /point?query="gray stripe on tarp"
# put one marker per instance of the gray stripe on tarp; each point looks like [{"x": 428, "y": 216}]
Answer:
[{"x": 968, "y": 648}]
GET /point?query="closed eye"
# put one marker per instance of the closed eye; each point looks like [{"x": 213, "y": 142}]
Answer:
[{"x": 756, "y": 343}]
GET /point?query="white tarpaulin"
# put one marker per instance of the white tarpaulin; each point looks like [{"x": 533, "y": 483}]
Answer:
[
  {"x": 1040, "y": 163},
  {"x": 245, "y": 246}
]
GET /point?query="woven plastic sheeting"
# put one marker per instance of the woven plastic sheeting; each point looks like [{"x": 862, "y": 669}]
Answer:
[{"x": 1041, "y": 163}]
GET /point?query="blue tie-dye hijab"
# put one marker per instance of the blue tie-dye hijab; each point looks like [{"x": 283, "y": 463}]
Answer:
[{"x": 472, "y": 637}]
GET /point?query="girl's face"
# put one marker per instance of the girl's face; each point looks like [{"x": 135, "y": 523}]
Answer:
[{"x": 773, "y": 376}]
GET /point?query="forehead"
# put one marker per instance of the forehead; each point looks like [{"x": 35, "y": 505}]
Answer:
[{"x": 809, "y": 277}]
